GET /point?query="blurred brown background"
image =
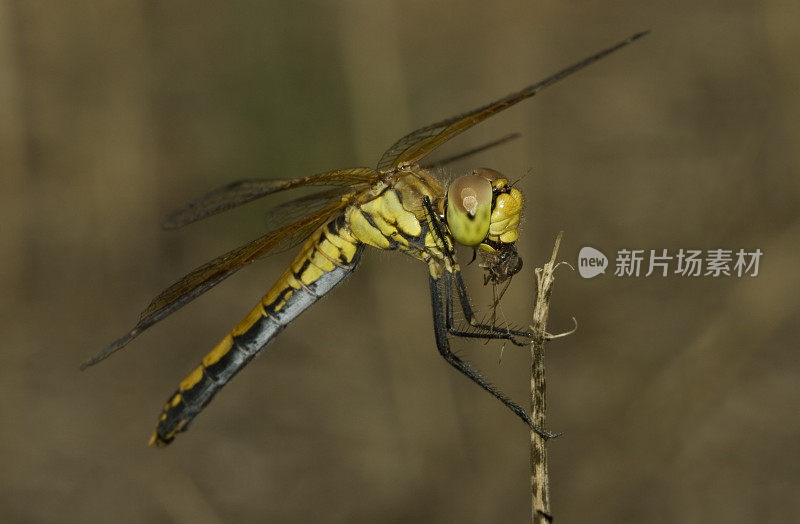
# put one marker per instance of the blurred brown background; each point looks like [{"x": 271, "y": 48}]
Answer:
[{"x": 678, "y": 397}]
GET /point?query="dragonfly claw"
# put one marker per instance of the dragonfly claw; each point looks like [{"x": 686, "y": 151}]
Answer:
[
  {"x": 546, "y": 435},
  {"x": 518, "y": 343}
]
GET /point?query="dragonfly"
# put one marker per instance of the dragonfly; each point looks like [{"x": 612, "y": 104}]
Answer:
[{"x": 400, "y": 205}]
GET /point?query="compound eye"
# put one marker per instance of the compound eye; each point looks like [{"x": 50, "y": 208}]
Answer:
[
  {"x": 495, "y": 177},
  {"x": 469, "y": 209},
  {"x": 485, "y": 172}
]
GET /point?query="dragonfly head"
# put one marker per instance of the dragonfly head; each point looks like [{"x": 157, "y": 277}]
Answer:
[{"x": 483, "y": 212}]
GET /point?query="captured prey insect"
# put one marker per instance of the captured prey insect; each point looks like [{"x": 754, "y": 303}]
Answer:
[{"x": 399, "y": 206}]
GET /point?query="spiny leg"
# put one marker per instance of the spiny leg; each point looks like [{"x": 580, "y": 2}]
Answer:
[
  {"x": 469, "y": 315},
  {"x": 443, "y": 345},
  {"x": 485, "y": 331},
  {"x": 439, "y": 231}
]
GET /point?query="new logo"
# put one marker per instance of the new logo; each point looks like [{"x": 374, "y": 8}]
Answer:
[{"x": 591, "y": 262}]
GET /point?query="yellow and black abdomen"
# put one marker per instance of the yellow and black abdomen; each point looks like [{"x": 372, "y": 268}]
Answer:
[{"x": 326, "y": 259}]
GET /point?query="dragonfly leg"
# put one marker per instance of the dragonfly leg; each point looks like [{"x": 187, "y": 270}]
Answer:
[
  {"x": 443, "y": 345},
  {"x": 439, "y": 231},
  {"x": 482, "y": 330}
]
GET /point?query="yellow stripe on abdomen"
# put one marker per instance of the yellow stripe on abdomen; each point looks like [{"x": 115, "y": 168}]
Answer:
[{"x": 325, "y": 259}]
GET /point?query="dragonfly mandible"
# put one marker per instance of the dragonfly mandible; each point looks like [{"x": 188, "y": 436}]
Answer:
[{"x": 401, "y": 205}]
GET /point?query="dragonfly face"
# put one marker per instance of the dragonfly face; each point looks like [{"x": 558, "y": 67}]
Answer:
[
  {"x": 483, "y": 211},
  {"x": 398, "y": 206}
]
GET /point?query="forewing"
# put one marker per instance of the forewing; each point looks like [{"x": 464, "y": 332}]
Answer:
[
  {"x": 209, "y": 275},
  {"x": 243, "y": 191},
  {"x": 417, "y": 144}
]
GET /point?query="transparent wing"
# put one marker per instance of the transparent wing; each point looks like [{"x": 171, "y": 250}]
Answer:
[
  {"x": 243, "y": 191},
  {"x": 296, "y": 209},
  {"x": 209, "y": 275},
  {"x": 474, "y": 151},
  {"x": 417, "y": 144}
]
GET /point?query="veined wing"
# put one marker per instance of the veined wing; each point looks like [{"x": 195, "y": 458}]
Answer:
[
  {"x": 474, "y": 151},
  {"x": 417, "y": 144},
  {"x": 298, "y": 208},
  {"x": 243, "y": 191},
  {"x": 209, "y": 275}
]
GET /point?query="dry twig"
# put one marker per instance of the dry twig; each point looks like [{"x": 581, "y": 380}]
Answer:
[{"x": 540, "y": 482}]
